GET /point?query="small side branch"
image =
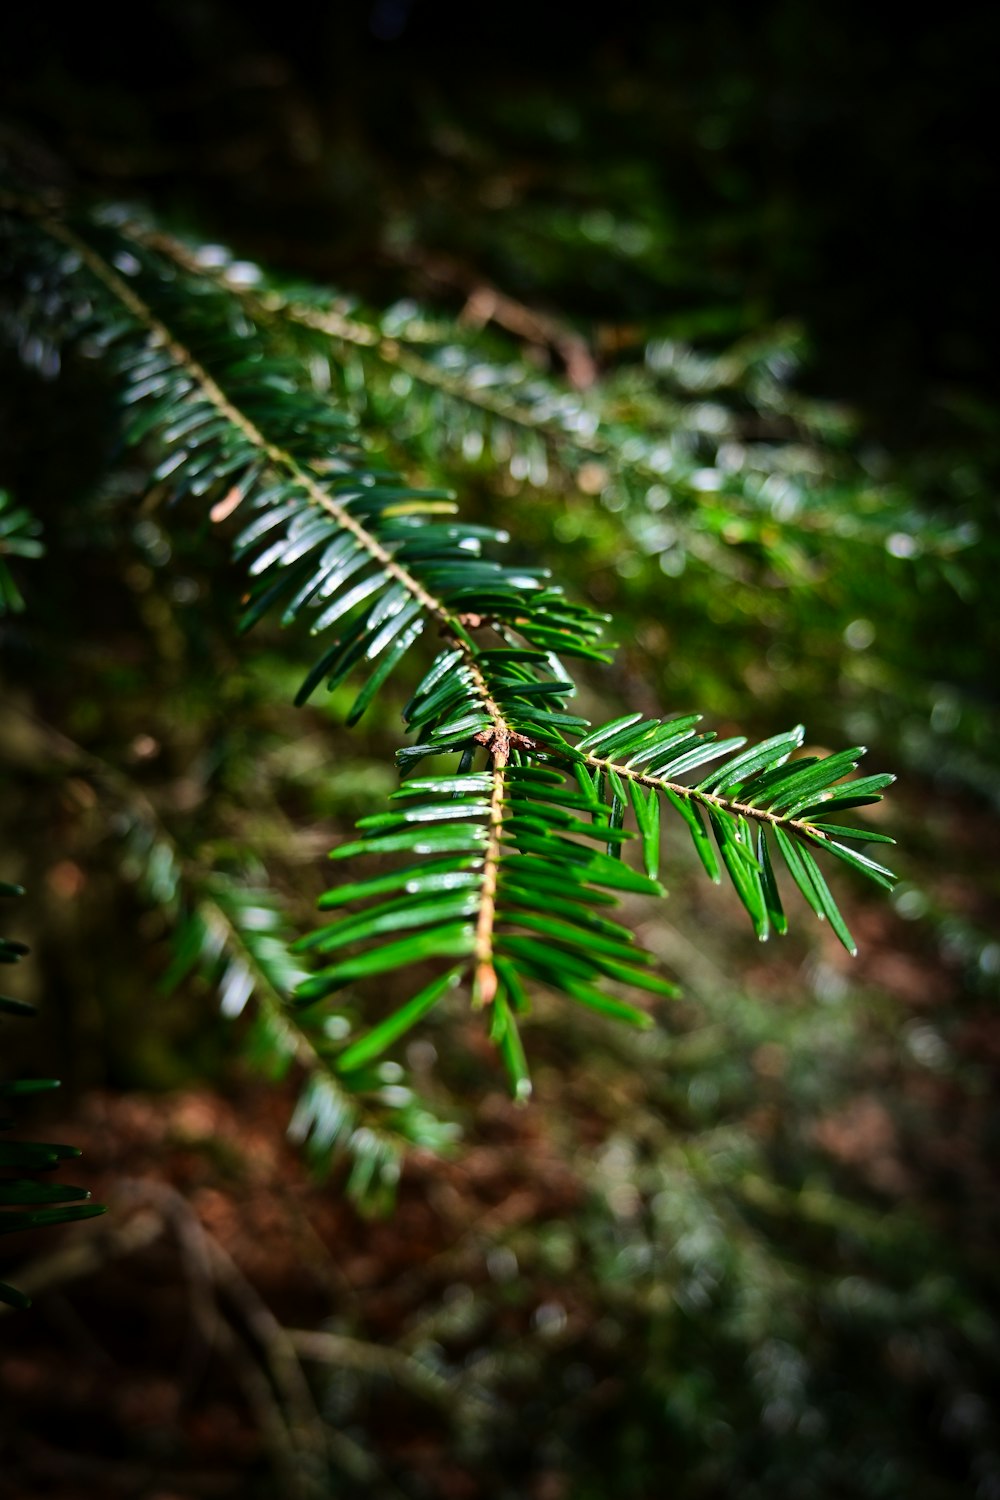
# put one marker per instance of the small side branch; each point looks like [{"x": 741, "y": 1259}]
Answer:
[{"x": 706, "y": 799}]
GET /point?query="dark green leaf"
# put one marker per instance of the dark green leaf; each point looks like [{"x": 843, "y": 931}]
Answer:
[{"x": 381, "y": 1037}]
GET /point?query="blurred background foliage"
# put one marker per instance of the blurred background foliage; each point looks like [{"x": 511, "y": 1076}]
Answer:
[{"x": 755, "y": 1252}]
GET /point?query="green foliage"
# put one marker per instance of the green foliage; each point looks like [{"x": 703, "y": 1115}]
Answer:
[
  {"x": 712, "y": 459},
  {"x": 503, "y": 862},
  {"x": 236, "y": 935},
  {"x": 233, "y": 932},
  {"x": 18, "y": 538},
  {"x": 25, "y": 1201},
  {"x": 745, "y": 1251}
]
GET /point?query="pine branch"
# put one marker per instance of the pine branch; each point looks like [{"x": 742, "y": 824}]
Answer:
[
  {"x": 234, "y": 932},
  {"x": 594, "y": 442},
  {"x": 18, "y": 538},
  {"x": 500, "y": 875},
  {"x": 762, "y": 786},
  {"x": 237, "y": 935},
  {"x": 26, "y": 1202},
  {"x": 496, "y": 879}
]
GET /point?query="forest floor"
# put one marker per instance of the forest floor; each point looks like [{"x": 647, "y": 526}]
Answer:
[{"x": 233, "y": 1316}]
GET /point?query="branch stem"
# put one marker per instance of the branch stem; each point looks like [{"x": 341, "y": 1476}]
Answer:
[
  {"x": 692, "y": 794},
  {"x": 486, "y": 976}
]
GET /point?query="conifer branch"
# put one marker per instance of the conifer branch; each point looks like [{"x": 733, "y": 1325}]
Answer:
[
  {"x": 727, "y": 805},
  {"x": 27, "y": 1201},
  {"x": 595, "y": 433},
  {"x": 233, "y": 932},
  {"x": 19, "y": 533},
  {"x": 368, "y": 337},
  {"x": 504, "y": 870},
  {"x": 279, "y": 457}
]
